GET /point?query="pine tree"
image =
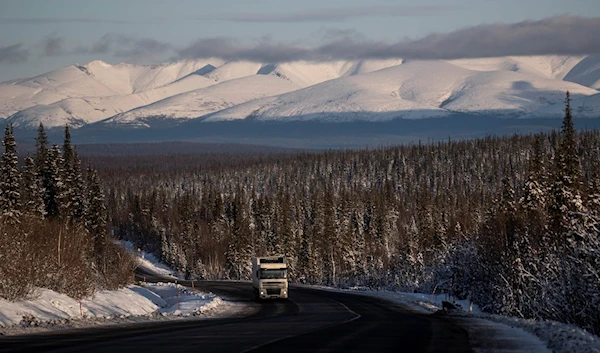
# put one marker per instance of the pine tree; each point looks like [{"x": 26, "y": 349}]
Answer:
[
  {"x": 66, "y": 194},
  {"x": 96, "y": 216},
  {"x": 78, "y": 189},
  {"x": 10, "y": 196},
  {"x": 566, "y": 179},
  {"x": 33, "y": 192},
  {"x": 41, "y": 155},
  {"x": 52, "y": 182}
]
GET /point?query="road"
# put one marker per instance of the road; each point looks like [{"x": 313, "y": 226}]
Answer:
[{"x": 311, "y": 321}]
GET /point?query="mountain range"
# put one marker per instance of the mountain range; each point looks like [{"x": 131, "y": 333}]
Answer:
[{"x": 141, "y": 96}]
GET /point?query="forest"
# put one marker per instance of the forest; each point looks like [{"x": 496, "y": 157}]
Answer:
[
  {"x": 53, "y": 225},
  {"x": 509, "y": 221}
]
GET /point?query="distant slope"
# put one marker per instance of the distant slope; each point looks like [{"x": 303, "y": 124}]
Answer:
[
  {"x": 80, "y": 111},
  {"x": 127, "y": 79},
  {"x": 586, "y": 72},
  {"x": 411, "y": 90},
  {"x": 305, "y": 74},
  {"x": 555, "y": 67},
  {"x": 67, "y": 82},
  {"x": 583, "y": 107},
  {"x": 204, "y": 101},
  {"x": 234, "y": 69},
  {"x": 211, "y": 89}
]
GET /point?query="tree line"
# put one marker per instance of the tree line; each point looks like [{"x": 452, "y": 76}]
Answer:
[{"x": 53, "y": 224}]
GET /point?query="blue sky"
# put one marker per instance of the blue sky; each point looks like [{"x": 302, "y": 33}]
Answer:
[{"x": 41, "y": 35}]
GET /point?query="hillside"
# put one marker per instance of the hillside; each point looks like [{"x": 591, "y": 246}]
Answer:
[{"x": 412, "y": 90}]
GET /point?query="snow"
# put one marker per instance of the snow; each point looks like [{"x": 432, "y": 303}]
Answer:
[
  {"x": 372, "y": 90},
  {"x": 584, "y": 107},
  {"x": 586, "y": 72},
  {"x": 412, "y": 90},
  {"x": 149, "y": 262},
  {"x": 167, "y": 299},
  {"x": 495, "y": 333},
  {"x": 554, "y": 67},
  {"x": 50, "y": 309},
  {"x": 234, "y": 70},
  {"x": 207, "y": 100}
]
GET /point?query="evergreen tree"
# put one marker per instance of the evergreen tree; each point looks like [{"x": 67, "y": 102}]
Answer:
[
  {"x": 10, "y": 196},
  {"x": 33, "y": 192},
  {"x": 52, "y": 182},
  {"x": 77, "y": 187},
  {"x": 41, "y": 155},
  {"x": 96, "y": 216},
  {"x": 566, "y": 179},
  {"x": 66, "y": 195}
]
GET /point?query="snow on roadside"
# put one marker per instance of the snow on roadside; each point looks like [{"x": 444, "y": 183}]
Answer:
[
  {"x": 149, "y": 262},
  {"x": 51, "y": 310},
  {"x": 165, "y": 299},
  {"x": 495, "y": 333}
]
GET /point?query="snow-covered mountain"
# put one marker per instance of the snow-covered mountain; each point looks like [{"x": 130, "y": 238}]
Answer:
[
  {"x": 413, "y": 90},
  {"x": 213, "y": 90},
  {"x": 583, "y": 107}
]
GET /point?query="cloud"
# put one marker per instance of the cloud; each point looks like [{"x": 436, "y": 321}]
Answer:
[
  {"x": 13, "y": 54},
  {"x": 53, "y": 20},
  {"x": 561, "y": 35},
  {"x": 124, "y": 46},
  {"x": 338, "y": 14},
  {"x": 53, "y": 46}
]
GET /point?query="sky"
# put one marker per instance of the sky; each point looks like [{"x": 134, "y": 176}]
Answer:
[{"x": 41, "y": 35}]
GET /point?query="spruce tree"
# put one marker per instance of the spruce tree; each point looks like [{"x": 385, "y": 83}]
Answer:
[
  {"x": 52, "y": 182},
  {"x": 33, "y": 192},
  {"x": 77, "y": 189},
  {"x": 67, "y": 194},
  {"x": 41, "y": 154},
  {"x": 96, "y": 216},
  {"x": 10, "y": 195},
  {"x": 566, "y": 178}
]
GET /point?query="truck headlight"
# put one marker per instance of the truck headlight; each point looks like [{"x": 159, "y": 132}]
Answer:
[{"x": 262, "y": 293}]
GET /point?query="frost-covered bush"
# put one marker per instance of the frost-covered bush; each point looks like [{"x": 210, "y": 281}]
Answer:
[{"x": 48, "y": 254}]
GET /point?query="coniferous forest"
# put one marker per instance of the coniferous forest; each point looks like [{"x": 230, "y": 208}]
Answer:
[
  {"x": 512, "y": 222},
  {"x": 53, "y": 230}
]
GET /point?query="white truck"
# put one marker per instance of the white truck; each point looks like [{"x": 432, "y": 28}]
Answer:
[{"x": 269, "y": 277}]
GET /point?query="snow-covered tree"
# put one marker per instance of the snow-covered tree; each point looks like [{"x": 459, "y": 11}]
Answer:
[
  {"x": 33, "y": 192},
  {"x": 10, "y": 185},
  {"x": 96, "y": 215},
  {"x": 52, "y": 182}
]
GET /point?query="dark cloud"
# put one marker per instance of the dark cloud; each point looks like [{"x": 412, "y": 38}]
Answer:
[
  {"x": 124, "y": 46},
  {"x": 13, "y": 54},
  {"x": 562, "y": 35},
  {"x": 53, "y": 46},
  {"x": 339, "y": 14}
]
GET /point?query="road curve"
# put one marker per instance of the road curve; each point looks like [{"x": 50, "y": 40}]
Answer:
[{"x": 311, "y": 321}]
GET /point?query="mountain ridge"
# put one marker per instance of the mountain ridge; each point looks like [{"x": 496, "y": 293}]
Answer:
[{"x": 213, "y": 90}]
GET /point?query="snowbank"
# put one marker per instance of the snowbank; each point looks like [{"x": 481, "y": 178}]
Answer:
[
  {"x": 149, "y": 262},
  {"x": 149, "y": 300},
  {"x": 166, "y": 299}
]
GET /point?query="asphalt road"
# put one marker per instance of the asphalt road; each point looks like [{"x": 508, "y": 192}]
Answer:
[{"x": 310, "y": 321}]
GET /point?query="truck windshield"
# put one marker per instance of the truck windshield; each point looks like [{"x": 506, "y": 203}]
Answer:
[{"x": 272, "y": 274}]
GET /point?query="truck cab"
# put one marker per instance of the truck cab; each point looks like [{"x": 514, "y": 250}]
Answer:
[{"x": 269, "y": 277}]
